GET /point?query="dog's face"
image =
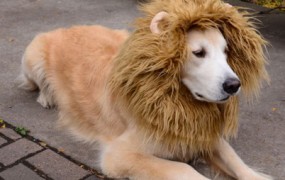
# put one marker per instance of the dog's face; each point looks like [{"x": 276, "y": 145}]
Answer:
[{"x": 206, "y": 73}]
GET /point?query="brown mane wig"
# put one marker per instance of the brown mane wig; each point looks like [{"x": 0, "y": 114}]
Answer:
[{"x": 146, "y": 76}]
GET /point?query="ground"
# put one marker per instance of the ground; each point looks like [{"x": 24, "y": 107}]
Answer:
[{"x": 260, "y": 141}]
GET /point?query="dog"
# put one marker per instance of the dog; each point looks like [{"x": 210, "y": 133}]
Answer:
[{"x": 158, "y": 97}]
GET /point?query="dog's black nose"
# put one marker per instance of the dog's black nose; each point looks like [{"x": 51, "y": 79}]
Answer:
[{"x": 231, "y": 85}]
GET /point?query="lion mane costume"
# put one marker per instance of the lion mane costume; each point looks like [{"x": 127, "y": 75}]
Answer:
[{"x": 146, "y": 76}]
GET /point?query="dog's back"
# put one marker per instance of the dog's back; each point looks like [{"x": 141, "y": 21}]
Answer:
[{"x": 70, "y": 67}]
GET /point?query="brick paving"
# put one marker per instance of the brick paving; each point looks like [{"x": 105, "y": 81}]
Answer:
[
  {"x": 47, "y": 161},
  {"x": 27, "y": 158},
  {"x": 10, "y": 133},
  {"x": 20, "y": 171},
  {"x": 17, "y": 150},
  {"x": 2, "y": 141}
]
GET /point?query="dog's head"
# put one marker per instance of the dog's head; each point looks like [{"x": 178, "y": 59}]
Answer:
[
  {"x": 224, "y": 50},
  {"x": 184, "y": 58},
  {"x": 207, "y": 72}
]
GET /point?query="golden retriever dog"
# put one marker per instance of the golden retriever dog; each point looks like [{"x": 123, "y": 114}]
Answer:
[{"x": 158, "y": 97}]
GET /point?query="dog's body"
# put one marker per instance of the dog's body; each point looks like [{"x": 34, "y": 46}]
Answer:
[
  {"x": 103, "y": 97},
  {"x": 61, "y": 63}
]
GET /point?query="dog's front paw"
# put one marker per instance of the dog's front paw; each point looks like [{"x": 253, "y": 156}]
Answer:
[
  {"x": 257, "y": 176},
  {"x": 261, "y": 176}
]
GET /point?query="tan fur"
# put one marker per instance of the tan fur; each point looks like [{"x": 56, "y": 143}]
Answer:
[
  {"x": 76, "y": 81},
  {"x": 126, "y": 92}
]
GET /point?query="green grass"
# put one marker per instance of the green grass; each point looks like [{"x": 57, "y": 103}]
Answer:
[{"x": 22, "y": 131}]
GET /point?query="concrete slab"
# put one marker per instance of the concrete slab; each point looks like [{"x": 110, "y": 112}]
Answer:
[{"x": 261, "y": 136}]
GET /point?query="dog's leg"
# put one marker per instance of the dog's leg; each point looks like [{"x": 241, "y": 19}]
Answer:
[
  {"x": 134, "y": 165},
  {"x": 35, "y": 77},
  {"x": 228, "y": 161},
  {"x": 33, "y": 73},
  {"x": 46, "y": 98},
  {"x": 123, "y": 159}
]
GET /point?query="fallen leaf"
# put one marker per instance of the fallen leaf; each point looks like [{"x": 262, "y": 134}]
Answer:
[
  {"x": 274, "y": 109},
  {"x": 60, "y": 150},
  {"x": 2, "y": 124},
  {"x": 43, "y": 144}
]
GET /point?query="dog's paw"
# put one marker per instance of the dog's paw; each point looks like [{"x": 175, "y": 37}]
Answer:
[
  {"x": 44, "y": 102},
  {"x": 257, "y": 176},
  {"x": 261, "y": 176}
]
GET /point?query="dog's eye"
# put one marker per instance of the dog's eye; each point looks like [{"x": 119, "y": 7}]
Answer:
[
  {"x": 226, "y": 50},
  {"x": 200, "y": 53}
]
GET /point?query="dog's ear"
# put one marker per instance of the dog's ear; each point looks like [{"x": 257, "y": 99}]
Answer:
[
  {"x": 159, "y": 22},
  {"x": 228, "y": 5}
]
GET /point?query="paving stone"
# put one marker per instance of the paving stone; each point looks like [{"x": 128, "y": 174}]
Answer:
[
  {"x": 17, "y": 150},
  {"x": 10, "y": 133},
  {"x": 20, "y": 172},
  {"x": 56, "y": 166},
  {"x": 93, "y": 177},
  {"x": 2, "y": 141}
]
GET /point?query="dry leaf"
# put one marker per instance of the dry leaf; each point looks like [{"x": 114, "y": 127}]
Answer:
[
  {"x": 274, "y": 109},
  {"x": 60, "y": 150},
  {"x": 43, "y": 144}
]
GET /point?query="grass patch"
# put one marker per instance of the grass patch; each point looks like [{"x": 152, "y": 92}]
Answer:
[{"x": 22, "y": 131}]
